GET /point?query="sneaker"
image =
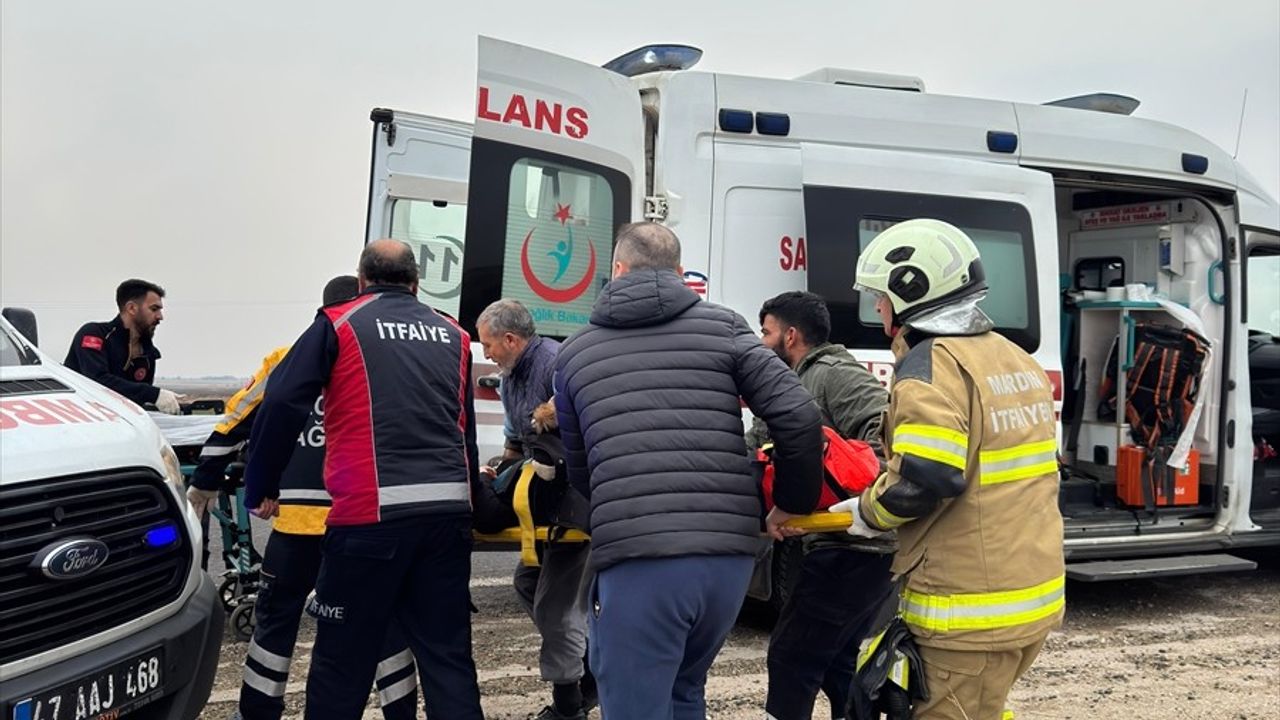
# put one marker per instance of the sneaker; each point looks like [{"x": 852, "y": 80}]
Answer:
[{"x": 550, "y": 713}]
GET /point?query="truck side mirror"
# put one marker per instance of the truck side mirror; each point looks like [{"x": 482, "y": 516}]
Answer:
[{"x": 24, "y": 321}]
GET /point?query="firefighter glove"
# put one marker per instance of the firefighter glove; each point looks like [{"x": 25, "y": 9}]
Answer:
[{"x": 859, "y": 527}]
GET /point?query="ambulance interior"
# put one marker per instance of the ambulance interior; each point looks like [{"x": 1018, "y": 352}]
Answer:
[{"x": 1131, "y": 260}]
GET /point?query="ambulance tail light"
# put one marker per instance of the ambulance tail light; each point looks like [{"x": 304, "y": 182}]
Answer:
[{"x": 655, "y": 58}]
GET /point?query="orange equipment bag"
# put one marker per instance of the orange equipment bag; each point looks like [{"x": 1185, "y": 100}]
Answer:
[
  {"x": 848, "y": 468},
  {"x": 1141, "y": 482}
]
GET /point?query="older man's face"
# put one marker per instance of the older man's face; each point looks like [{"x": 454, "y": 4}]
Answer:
[{"x": 502, "y": 348}]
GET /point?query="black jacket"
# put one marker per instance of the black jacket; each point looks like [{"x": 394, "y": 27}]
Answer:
[
  {"x": 648, "y": 402},
  {"x": 100, "y": 352}
]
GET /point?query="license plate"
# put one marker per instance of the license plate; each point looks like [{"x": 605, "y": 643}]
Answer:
[{"x": 103, "y": 695}]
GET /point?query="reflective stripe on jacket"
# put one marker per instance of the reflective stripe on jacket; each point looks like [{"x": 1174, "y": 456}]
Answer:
[
  {"x": 304, "y": 503},
  {"x": 972, "y": 488}
]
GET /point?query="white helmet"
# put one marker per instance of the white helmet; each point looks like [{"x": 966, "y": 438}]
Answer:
[{"x": 920, "y": 265}]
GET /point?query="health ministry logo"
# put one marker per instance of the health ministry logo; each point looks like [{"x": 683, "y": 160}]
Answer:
[{"x": 563, "y": 255}]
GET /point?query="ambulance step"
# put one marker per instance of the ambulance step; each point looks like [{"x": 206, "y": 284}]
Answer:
[{"x": 1100, "y": 570}]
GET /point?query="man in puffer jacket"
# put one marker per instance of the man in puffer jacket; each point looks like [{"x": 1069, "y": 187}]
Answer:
[{"x": 648, "y": 401}]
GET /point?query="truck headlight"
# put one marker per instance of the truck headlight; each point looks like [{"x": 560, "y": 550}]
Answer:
[{"x": 173, "y": 473}]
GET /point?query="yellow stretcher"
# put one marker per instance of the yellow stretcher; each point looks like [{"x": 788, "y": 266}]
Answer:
[{"x": 528, "y": 535}]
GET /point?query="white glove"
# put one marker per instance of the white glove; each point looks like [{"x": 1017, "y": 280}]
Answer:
[
  {"x": 167, "y": 402},
  {"x": 201, "y": 500},
  {"x": 859, "y": 528},
  {"x": 546, "y": 472}
]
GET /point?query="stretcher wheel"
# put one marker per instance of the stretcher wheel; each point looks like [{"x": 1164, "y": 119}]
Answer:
[
  {"x": 229, "y": 593},
  {"x": 242, "y": 621}
]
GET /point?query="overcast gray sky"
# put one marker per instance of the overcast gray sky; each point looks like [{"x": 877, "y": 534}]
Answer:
[{"x": 222, "y": 149}]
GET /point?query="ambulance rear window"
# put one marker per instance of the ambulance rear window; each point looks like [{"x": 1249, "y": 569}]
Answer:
[
  {"x": 542, "y": 233},
  {"x": 435, "y": 231},
  {"x": 1001, "y": 230}
]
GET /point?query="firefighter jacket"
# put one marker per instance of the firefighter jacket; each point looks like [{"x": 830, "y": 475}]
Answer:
[
  {"x": 100, "y": 352},
  {"x": 972, "y": 489},
  {"x": 304, "y": 503},
  {"x": 400, "y": 434}
]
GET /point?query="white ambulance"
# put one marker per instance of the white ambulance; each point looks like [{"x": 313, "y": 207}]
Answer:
[
  {"x": 104, "y": 609},
  {"x": 1090, "y": 222}
]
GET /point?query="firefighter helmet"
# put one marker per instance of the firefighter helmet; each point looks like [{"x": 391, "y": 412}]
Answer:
[{"x": 920, "y": 265}]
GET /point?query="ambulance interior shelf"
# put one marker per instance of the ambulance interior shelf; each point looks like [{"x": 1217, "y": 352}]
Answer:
[{"x": 1102, "y": 443}]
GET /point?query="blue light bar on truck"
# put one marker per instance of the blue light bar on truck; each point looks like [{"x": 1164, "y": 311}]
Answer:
[
  {"x": 655, "y": 58},
  {"x": 738, "y": 121},
  {"x": 1002, "y": 142}
]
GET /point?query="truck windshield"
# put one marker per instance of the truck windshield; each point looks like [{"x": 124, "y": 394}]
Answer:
[{"x": 14, "y": 353}]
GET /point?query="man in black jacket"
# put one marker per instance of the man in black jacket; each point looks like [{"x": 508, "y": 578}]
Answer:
[
  {"x": 119, "y": 353},
  {"x": 649, "y": 392}
]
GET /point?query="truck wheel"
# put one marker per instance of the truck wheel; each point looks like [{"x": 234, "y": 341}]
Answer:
[
  {"x": 242, "y": 622},
  {"x": 788, "y": 556}
]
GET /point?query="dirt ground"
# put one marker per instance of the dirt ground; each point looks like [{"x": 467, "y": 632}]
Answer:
[{"x": 1170, "y": 649}]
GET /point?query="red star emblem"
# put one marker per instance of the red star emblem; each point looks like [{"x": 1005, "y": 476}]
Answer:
[{"x": 562, "y": 213}]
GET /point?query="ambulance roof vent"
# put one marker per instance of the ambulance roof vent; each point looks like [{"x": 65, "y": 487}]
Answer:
[
  {"x": 864, "y": 78},
  {"x": 1100, "y": 102},
  {"x": 655, "y": 58}
]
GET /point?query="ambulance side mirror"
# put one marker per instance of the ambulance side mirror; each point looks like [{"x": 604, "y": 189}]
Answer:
[{"x": 24, "y": 321}]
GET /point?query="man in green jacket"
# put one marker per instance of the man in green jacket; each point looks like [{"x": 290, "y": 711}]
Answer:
[{"x": 843, "y": 580}]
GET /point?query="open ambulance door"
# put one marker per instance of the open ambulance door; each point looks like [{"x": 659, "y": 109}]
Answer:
[
  {"x": 852, "y": 194},
  {"x": 418, "y": 194},
  {"x": 557, "y": 163}
]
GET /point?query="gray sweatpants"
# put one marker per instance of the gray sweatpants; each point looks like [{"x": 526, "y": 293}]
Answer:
[{"x": 552, "y": 596}]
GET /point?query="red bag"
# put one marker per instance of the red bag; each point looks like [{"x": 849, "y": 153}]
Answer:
[{"x": 848, "y": 468}]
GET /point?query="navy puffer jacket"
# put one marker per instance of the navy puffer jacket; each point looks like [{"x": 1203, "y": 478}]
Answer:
[{"x": 648, "y": 402}]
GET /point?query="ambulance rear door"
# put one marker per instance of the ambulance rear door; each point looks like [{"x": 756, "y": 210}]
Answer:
[
  {"x": 852, "y": 194},
  {"x": 418, "y": 194},
  {"x": 557, "y": 163}
]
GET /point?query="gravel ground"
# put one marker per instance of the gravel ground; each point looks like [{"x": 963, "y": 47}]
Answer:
[{"x": 1177, "y": 649}]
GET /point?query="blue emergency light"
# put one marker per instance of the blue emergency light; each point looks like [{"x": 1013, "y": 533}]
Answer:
[
  {"x": 1195, "y": 164},
  {"x": 1002, "y": 142},
  {"x": 738, "y": 121},
  {"x": 654, "y": 58},
  {"x": 773, "y": 123},
  {"x": 161, "y": 536}
]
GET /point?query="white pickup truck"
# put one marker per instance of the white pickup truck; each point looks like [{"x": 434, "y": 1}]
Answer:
[{"x": 104, "y": 609}]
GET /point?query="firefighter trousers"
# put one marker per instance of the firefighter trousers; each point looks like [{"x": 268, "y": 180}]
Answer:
[
  {"x": 815, "y": 641},
  {"x": 290, "y": 565},
  {"x": 416, "y": 570},
  {"x": 972, "y": 685}
]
